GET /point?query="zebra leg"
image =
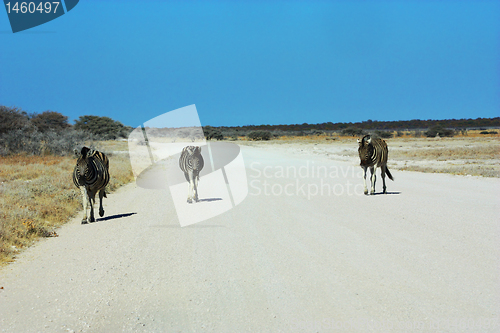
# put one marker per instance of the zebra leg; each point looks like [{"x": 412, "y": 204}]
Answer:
[
  {"x": 383, "y": 178},
  {"x": 85, "y": 203},
  {"x": 195, "y": 188},
  {"x": 364, "y": 179},
  {"x": 190, "y": 188},
  {"x": 189, "y": 200},
  {"x": 92, "y": 201},
  {"x": 102, "y": 194},
  {"x": 373, "y": 179}
]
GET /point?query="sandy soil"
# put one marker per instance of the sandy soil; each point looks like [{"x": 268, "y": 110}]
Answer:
[
  {"x": 304, "y": 252},
  {"x": 475, "y": 156}
]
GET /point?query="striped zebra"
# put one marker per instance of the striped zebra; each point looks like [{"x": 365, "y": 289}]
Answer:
[
  {"x": 191, "y": 163},
  {"x": 373, "y": 154},
  {"x": 91, "y": 175}
]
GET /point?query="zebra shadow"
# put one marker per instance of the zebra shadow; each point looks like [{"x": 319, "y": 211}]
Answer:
[
  {"x": 112, "y": 217},
  {"x": 209, "y": 199},
  {"x": 189, "y": 226},
  {"x": 382, "y": 193}
]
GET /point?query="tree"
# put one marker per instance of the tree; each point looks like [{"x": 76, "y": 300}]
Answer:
[
  {"x": 103, "y": 127},
  {"x": 352, "y": 131},
  {"x": 439, "y": 130},
  {"x": 12, "y": 119},
  {"x": 259, "y": 135},
  {"x": 50, "y": 120},
  {"x": 383, "y": 134},
  {"x": 212, "y": 133}
]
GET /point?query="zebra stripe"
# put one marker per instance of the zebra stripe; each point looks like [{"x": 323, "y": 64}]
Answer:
[
  {"x": 373, "y": 153},
  {"x": 191, "y": 163},
  {"x": 91, "y": 175}
]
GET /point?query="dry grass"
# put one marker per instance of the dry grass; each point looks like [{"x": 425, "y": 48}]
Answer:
[
  {"x": 473, "y": 154},
  {"x": 37, "y": 195},
  {"x": 460, "y": 155}
]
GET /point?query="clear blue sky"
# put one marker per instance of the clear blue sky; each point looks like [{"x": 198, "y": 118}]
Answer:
[{"x": 259, "y": 62}]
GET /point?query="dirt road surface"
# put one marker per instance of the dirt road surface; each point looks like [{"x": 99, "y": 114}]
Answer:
[{"x": 304, "y": 252}]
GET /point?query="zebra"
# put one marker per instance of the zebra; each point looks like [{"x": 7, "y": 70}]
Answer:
[
  {"x": 373, "y": 153},
  {"x": 191, "y": 163},
  {"x": 91, "y": 175}
]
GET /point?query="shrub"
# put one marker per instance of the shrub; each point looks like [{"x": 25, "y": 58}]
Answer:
[
  {"x": 417, "y": 133},
  {"x": 212, "y": 133},
  {"x": 33, "y": 142},
  {"x": 383, "y": 134},
  {"x": 353, "y": 131},
  {"x": 50, "y": 121},
  {"x": 259, "y": 135},
  {"x": 439, "y": 130},
  {"x": 488, "y": 132},
  {"x": 316, "y": 132},
  {"x": 102, "y": 127},
  {"x": 12, "y": 119}
]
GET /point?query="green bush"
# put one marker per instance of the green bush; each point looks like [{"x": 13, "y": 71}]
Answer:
[
  {"x": 383, "y": 134},
  {"x": 353, "y": 131},
  {"x": 316, "y": 132},
  {"x": 212, "y": 133},
  {"x": 50, "y": 121},
  {"x": 259, "y": 135},
  {"x": 13, "y": 119},
  {"x": 102, "y": 127},
  {"x": 439, "y": 130}
]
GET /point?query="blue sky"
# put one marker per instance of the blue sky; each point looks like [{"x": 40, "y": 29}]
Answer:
[{"x": 259, "y": 62}]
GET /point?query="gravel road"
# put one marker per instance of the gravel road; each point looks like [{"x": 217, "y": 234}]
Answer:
[{"x": 306, "y": 251}]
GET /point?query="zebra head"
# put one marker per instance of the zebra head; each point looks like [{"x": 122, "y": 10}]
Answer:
[
  {"x": 193, "y": 150},
  {"x": 81, "y": 167},
  {"x": 365, "y": 149}
]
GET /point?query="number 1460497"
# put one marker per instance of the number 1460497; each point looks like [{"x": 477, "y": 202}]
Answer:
[{"x": 31, "y": 7}]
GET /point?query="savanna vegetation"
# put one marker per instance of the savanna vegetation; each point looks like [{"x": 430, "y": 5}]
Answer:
[
  {"x": 37, "y": 193},
  {"x": 36, "y": 157},
  {"x": 384, "y": 129}
]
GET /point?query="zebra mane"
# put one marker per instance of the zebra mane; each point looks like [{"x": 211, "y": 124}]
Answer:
[
  {"x": 84, "y": 151},
  {"x": 192, "y": 150},
  {"x": 365, "y": 140}
]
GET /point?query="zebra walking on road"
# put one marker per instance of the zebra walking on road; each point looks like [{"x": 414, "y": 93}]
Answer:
[
  {"x": 191, "y": 163},
  {"x": 373, "y": 153},
  {"x": 91, "y": 175}
]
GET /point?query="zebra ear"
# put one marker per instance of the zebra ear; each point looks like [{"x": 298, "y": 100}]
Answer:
[
  {"x": 77, "y": 153},
  {"x": 84, "y": 151},
  {"x": 359, "y": 142},
  {"x": 369, "y": 140}
]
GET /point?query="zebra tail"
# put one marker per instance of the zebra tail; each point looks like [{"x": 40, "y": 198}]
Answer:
[{"x": 388, "y": 173}]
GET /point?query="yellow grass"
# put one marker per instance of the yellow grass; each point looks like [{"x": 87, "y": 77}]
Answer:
[
  {"x": 37, "y": 195},
  {"x": 473, "y": 154}
]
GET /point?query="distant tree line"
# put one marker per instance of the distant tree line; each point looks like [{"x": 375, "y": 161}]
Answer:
[
  {"x": 50, "y": 133},
  {"x": 375, "y": 125},
  {"x": 383, "y": 129}
]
